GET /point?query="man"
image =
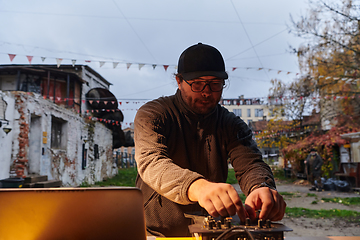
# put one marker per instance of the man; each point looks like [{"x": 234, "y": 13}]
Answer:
[
  {"x": 182, "y": 146},
  {"x": 313, "y": 165}
]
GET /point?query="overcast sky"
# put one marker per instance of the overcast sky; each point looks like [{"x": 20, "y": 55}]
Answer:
[{"x": 249, "y": 34}]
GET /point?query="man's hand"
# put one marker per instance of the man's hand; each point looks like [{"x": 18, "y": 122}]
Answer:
[
  {"x": 270, "y": 202},
  {"x": 217, "y": 198}
]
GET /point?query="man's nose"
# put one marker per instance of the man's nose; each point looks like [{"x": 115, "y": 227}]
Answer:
[{"x": 207, "y": 89}]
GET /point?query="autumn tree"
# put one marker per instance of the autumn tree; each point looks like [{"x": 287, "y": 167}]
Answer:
[
  {"x": 293, "y": 100},
  {"x": 331, "y": 55}
]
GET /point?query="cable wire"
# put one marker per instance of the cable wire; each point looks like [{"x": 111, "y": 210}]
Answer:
[{"x": 247, "y": 35}]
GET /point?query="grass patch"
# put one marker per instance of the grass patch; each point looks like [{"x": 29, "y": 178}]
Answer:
[
  {"x": 289, "y": 194},
  {"x": 231, "y": 179},
  {"x": 242, "y": 197},
  {"x": 125, "y": 177},
  {"x": 279, "y": 175},
  {"x": 346, "y": 201},
  {"x": 309, "y": 213},
  {"x": 311, "y": 195}
]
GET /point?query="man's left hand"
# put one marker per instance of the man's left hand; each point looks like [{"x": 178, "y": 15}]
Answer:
[{"x": 270, "y": 202}]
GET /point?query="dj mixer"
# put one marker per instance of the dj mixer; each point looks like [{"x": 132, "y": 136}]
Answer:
[{"x": 230, "y": 228}]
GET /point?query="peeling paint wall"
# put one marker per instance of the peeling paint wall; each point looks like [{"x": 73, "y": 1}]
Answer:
[{"x": 29, "y": 113}]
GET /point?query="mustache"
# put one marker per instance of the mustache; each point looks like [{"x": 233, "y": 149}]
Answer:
[{"x": 206, "y": 98}]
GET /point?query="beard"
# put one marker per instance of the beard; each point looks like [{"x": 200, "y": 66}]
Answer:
[{"x": 201, "y": 104}]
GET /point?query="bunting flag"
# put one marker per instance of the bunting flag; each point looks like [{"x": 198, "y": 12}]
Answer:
[
  {"x": 12, "y": 56},
  {"x": 102, "y": 63},
  {"x": 234, "y": 68},
  {"x": 154, "y": 66},
  {"x": 128, "y": 65},
  {"x": 73, "y": 61},
  {"x": 141, "y": 65},
  {"x": 87, "y": 61},
  {"x": 115, "y": 64},
  {"x": 43, "y": 59},
  {"x": 166, "y": 67},
  {"x": 58, "y": 62},
  {"x": 29, "y": 59}
]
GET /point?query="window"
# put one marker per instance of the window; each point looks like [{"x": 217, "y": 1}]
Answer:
[
  {"x": 58, "y": 133},
  {"x": 249, "y": 121},
  {"x": 259, "y": 113},
  {"x": 237, "y": 112},
  {"x": 249, "y": 112},
  {"x": 272, "y": 112}
]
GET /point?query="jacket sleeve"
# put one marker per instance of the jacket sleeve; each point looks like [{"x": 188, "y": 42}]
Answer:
[
  {"x": 151, "y": 154},
  {"x": 246, "y": 158}
]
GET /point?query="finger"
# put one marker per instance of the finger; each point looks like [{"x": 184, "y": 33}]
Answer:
[
  {"x": 277, "y": 208},
  {"x": 281, "y": 211},
  {"x": 209, "y": 207},
  {"x": 237, "y": 205},
  {"x": 219, "y": 206},
  {"x": 250, "y": 210},
  {"x": 266, "y": 207}
]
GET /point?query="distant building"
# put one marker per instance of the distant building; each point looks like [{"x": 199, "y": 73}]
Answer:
[
  {"x": 249, "y": 109},
  {"x": 64, "y": 123}
]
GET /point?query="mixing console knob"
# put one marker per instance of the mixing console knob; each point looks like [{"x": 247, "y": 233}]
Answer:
[
  {"x": 268, "y": 223},
  {"x": 247, "y": 222},
  {"x": 211, "y": 224},
  {"x": 218, "y": 224},
  {"x": 260, "y": 223},
  {"x": 228, "y": 223}
]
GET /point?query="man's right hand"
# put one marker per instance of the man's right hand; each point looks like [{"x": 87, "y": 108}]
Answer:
[{"x": 217, "y": 198}]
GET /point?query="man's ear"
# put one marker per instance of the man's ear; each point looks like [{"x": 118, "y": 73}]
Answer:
[{"x": 178, "y": 80}]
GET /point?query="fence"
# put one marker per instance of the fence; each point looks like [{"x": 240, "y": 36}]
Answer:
[{"x": 124, "y": 159}]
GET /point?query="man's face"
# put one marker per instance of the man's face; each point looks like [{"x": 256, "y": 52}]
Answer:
[{"x": 200, "y": 102}]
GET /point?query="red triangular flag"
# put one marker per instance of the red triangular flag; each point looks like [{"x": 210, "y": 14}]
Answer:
[
  {"x": 29, "y": 59},
  {"x": 11, "y": 56},
  {"x": 166, "y": 67}
]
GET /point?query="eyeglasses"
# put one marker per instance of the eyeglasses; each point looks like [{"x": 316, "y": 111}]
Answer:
[{"x": 199, "y": 86}]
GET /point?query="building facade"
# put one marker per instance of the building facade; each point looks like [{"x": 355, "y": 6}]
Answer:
[
  {"x": 53, "y": 123},
  {"x": 249, "y": 109}
]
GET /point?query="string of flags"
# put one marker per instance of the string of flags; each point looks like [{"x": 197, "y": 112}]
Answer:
[
  {"x": 101, "y": 63},
  {"x": 109, "y": 121},
  {"x": 115, "y": 64},
  {"x": 129, "y": 64},
  {"x": 223, "y": 102}
]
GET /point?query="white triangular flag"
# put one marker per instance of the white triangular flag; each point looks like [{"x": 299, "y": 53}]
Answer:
[
  {"x": 73, "y": 61},
  {"x": 128, "y": 65},
  {"x": 102, "y": 63},
  {"x": 141, "y": 65},
  {"x": 115, "y": 64},
  {"x": 43, "y": 59},
  {"x": 58, "y": 62}
]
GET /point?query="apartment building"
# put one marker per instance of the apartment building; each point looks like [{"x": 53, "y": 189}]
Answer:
[{"x": 249, "y": 109}]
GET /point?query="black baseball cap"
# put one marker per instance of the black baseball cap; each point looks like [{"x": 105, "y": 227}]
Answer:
[{"x": 201, "y": 60}]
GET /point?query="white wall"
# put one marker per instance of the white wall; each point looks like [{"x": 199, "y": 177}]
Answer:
[
  {"x": 60, "y": 164},
  {"x": 6, "y": 140}
]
